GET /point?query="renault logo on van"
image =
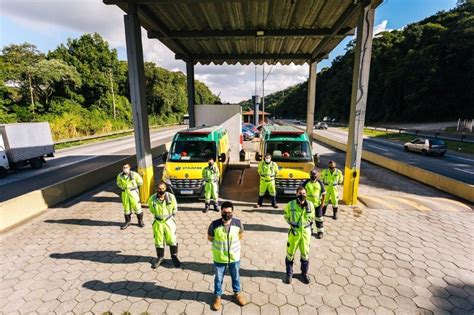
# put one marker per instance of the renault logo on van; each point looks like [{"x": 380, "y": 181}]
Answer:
[
  {"x": 186, "y": 175},
  {"x": 291, "y": 175}
]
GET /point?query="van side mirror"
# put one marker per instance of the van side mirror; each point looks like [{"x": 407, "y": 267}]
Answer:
[
  {"x": 222, "y": 157},
  {"x": 164, "y": 156},
  {"x": 258, "y": 157},
  {"x": 316, "y": 158}
]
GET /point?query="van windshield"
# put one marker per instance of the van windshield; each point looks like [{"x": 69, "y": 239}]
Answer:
[
  {"x": 192, "y": 151},
  {"x": 289, "y": 151}
]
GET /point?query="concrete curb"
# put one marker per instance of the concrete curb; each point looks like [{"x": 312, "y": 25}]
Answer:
[
  {"x": 22, "y": 208},
  {"x": 454, "y": 187}
]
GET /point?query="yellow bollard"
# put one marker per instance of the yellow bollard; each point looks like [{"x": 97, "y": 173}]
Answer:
[
  {"x": 351, "y": 185},
  {"x": 148, "y": 182}
]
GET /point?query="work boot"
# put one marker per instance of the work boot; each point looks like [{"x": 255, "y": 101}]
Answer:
[
  {"x": 174, "y": 255},
  {"x": 140, "y": 220},
  {"x": 128, "y": 218},
  {"x": 304, "y": 271},
  {"x": 239, "y": 299},
  {"x": 206, "y": 207},
  {"x": 324, "y": 210},
  {"x": 334, "y": 215},
  {"x": 217, "y": 303},
  {"x": 160, "y": 253},
  {"x": 274, "y": 202},
  {"x": 289, "y": 270},
  {"x": 320, "y": 235},
  {"x": 216, "y": 206},
  {"x": 259, "y": 202}
]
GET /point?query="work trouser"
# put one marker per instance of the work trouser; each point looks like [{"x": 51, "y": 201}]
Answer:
[
  {"x": 332, "y": 194},
  {"x": 267, "y": 185},
  {"x": 211, "y": 192},
  {"x": 131, "y": 201},
  {"x": 298, "y": 239},
  {"x": 164, "y": 232},
  {"x": 319, "y": 219}
]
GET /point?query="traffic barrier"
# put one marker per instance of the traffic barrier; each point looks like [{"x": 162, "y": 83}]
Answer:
[
  {"x": 22, "y": 208},
  {"x": 449, "y": 185}
]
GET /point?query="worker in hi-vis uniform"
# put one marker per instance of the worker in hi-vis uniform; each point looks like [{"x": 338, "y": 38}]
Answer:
[
  {"x": 332, "y": 178},
  {"x": 129, "y": 182},
  {"x": 210, "y": 176},
  {"x": 163, "y": 207}
]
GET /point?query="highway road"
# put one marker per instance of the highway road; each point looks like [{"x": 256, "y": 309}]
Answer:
[
  {"x": 73, "y": 161},
  {"x": 452, "y": 165}
]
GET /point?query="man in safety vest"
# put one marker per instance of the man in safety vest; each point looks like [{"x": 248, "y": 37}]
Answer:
[
  {"x": 315, "y": 193},
  {"x": 225, "y": 235},
  {"x": 163, "y": 207},
  {"x": 299, "y": 214},
  {"x": 268, "y": 170},
  {"x": 332, "y": 178},
  {"x": 129, "y": 182},
  {"x": 210, "y": 176}
]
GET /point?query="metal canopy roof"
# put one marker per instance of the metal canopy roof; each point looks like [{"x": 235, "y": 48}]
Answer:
[{"x": 248, "y": 31}]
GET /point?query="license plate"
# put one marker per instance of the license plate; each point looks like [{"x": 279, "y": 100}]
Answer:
[
  {"x": 289, "y": 192},
  {"x": 186, "y": 192}
]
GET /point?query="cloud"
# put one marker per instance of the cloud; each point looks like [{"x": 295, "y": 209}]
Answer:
[
  {"x": 234, "y": 83},
  {"x": 382, "y": 27}
]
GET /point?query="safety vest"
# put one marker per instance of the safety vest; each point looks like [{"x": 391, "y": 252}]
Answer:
[
  {"x": 163, "y": 210},
  {"x": 332, "y": 179},
  {"x": 210, "y": 174},
  {"x": 299, "y": 218},
  {"x": 314, "y": 191},
  {"x": 129, "y": 182},
  {"x": 226, "y": 244},
  {"x": 268, "y": 171}
]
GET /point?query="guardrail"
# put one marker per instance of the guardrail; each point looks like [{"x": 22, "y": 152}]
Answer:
[
  {"x": 462, "y": 137},
  {"x": 105, "y": 135}
]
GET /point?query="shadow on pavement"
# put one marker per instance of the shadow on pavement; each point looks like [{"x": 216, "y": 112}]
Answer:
[
  {"x": 85, "y": 222},
  {"x": 148, "y": 290},
  {"x": 115, "y": 257},
  {"x": 264, "y": 228},
  {"x": 266, "y": 211}
]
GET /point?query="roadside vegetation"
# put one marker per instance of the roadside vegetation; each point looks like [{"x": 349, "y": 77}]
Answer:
[
  {"x": 75, "y": 87},
  {"x": 423, "y": 72}
]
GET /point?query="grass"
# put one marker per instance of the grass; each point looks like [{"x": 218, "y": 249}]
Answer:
[{"x": 455, "y": 146}]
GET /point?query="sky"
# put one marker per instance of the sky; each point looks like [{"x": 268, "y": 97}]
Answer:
[{"x": 48, "y": 23}]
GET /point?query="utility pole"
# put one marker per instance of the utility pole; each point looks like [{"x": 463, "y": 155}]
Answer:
[
  {"x": 31, "y": 94},
  {"x": 112, "y": 89}
]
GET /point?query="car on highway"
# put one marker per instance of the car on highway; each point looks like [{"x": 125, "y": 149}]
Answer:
[
  {"x": 321, "y": 125},
  {"x": 427, "y": 146}
]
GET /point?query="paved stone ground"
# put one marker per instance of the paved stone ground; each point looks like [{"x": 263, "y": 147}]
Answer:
[{"x": 76, "y": 259}]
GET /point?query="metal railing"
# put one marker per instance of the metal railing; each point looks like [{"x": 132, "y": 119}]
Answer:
[{"x": 105, "y": 135}]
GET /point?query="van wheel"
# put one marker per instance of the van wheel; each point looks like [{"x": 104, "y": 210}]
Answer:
[
  {"x": 406, "y": 148},
  {"x": 3, "y": 172},
  {"x": 423, "y": 152},
  {"x": 36, "y": 163},
  {"x": 442, "y": 154}
]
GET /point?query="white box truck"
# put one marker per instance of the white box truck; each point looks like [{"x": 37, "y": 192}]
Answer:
[{"x": 24, "y": 144}]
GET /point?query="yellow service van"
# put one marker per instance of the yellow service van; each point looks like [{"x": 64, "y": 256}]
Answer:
[
  {"x": 189, "y": 153},
  {"x": 291, "y": 149}
]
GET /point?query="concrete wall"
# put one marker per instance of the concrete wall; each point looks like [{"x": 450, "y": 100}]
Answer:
[
  {"x": 229, "y": 116},
  {"x": 22, "y": 208}
]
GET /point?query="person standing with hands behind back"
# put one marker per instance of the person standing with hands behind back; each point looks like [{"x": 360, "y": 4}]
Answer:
[
  {"x": 225, "y": 234},
  {"x": 129, "y": 182},
  {"x": 210, "y": 175}
]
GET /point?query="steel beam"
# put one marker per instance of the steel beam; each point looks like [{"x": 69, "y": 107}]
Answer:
[
  {"x": 360, "y": 87},
  {"x": 191, "y": 93},
  {"x": 213, "y": 57},
  {"x": 318, "y": 32},
  {"x": 311, "y": 101},
  {"x": 136, "y": 74}
]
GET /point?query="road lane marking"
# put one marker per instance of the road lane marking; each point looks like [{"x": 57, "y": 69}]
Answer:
[
  {"x": 377, "y": 147},
  {"x": 466, "y": 171},
  {"x": 461, "y": 158}
]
